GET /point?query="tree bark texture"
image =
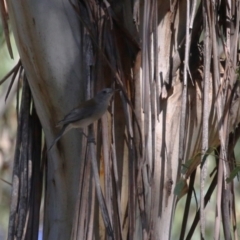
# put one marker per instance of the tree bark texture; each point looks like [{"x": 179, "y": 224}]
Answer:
[{"x": 139, "y": 47}]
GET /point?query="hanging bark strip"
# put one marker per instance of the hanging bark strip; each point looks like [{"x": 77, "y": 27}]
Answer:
[
  {"x": 101, "y": 200},
  {"x": 20, "y": 172},
  {"x": 37, "y": 159},
  {"x": 216, "y": 80},
  {"x": 205, "y": 112},
  {"x": 27, "y": 172},
  {"x": 182, "y": 137}
]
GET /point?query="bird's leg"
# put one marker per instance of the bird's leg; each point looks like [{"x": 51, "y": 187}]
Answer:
[{"x": 89, "y": 138}]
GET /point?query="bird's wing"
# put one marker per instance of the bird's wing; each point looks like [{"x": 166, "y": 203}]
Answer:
[{"x": 75, "y": 115}]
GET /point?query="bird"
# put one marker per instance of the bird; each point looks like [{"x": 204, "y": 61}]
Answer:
[{"x": 86, "y": 113}]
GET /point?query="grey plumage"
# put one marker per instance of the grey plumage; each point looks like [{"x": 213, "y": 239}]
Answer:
[
  {"x": 85, "y": 114},
  {"x": 58, "y": 137}
]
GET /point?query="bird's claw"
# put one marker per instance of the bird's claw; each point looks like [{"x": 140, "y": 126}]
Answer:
[{"x": 91, "y": 140}]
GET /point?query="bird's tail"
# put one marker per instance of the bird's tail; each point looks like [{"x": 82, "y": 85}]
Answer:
[
  {"x": 60, "y": 134},
  {"x": 60, "y": 124}
]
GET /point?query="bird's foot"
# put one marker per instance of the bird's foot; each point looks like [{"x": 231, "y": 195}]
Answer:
[{"x": 91, "y": 140}]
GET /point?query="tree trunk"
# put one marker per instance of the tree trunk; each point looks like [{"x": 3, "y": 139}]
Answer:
[
  {"x": 48, "y": 39},
  {"x": 72, "y": 49}
]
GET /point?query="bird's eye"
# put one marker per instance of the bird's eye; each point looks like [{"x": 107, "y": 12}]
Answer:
[{"x": 104, "y": 91}]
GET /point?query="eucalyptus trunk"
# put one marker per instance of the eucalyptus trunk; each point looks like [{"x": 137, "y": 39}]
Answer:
[{"x": 170, "y": 108}]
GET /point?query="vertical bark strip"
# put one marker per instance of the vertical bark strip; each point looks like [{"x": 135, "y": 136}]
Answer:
[
  {"x": 172, "y": 109},
  {"x": 182, "y": 133},
  {"x": 205, "y": 128}
]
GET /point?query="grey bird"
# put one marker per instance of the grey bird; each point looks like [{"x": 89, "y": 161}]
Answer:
[{"x": 85, "y": 114}]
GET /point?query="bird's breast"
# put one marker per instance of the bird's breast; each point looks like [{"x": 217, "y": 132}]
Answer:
[{"x": 89, "y": 120}]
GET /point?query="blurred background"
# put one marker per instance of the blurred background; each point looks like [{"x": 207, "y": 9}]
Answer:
[
  {"x": 211, "y": 205},
  {"x": 8, "y": 127}
]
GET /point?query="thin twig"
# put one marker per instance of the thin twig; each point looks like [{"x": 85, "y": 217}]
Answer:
[
  {"x": 5, "y": 181},
  {"x": 4, "y": 16},
  {"x": 187, "y": 205},
  {"x": 197, "y": 215},
  {"x": 10, "y": 72}
]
